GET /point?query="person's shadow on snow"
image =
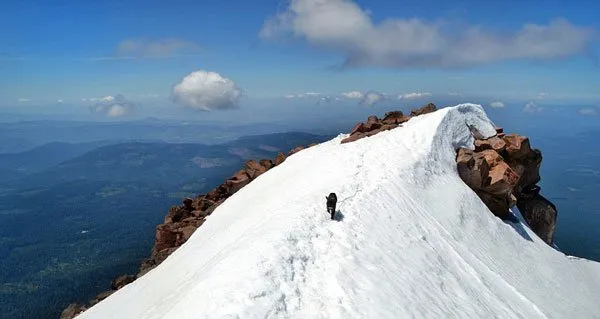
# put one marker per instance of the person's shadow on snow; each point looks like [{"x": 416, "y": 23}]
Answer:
[{"x": 339, "y": 216}]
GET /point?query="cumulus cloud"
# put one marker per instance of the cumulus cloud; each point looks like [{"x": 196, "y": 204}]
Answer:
[
  {"x": 532, "y": 107},
  {"x": 344, "y": 27},
  {"x": 588, "y": 111},
  {"x": 159, "y": 48},
  {"x": 371, "y": 98},
  {"x": 353, "y": 95},
  {"x": 206, "y": 91},
  {"x": 412, "y": 96},
  {"x": 497, "y": 105},
  {"x": 113, "y": 106}
]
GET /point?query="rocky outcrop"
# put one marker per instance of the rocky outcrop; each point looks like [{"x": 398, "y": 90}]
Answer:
[
  {"x": 182, "y": 221},
  {"x": 423, "y": 110},
  {"x": 538, "y": 212},
  {"x": 390, "y": 121},
  {"x": 503, "y": 170}
]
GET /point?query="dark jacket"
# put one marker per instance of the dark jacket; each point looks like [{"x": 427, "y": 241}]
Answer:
[{"x": 331, "y": 200}]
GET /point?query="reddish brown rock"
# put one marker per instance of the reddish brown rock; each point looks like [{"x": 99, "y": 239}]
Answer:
[
  {"x": 121, "y": 282},
  {"x": 187, "y": 203},
  {"x": 268, "y": 164},
  {"x": 279, "y": 159},
  {"x": 255, "y": 169},
  {"x": 423, "y": 110},
  {"x": 358, "y": 128},
  {"x": 372, "y": 126},
  {"x": 203, "y": 204},
  {"x": 183, "y": 234},
  {"x": 295, "y": 150},
  {"x": 472, "y": 172},
  {"x": 72, "y": 311},
  {"x": 372, "y": 119},
  {"x": 164, "y": 238},
  {"x": 517, "y": 146},
  {"x": 239, "y": 180},
  {"x": 493, "y": 143},
  {"x": 501, "y": 180},
  {"x": 395, "y": 117},
  {"x": 352, "y": 138},
  {"x": 213, "y": 207}
]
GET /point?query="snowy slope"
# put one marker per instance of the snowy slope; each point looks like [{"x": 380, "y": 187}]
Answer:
[{"x": 411, "y": 240}]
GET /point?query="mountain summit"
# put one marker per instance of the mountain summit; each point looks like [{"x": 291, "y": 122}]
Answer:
[{"x": 410, "y": 239}]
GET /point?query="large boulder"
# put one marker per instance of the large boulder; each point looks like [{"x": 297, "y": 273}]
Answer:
[
  {"x": 493, "y": 143},
  {"x": 165, "y": 237},
  {"x": 539, "y": 213},
  {"x": 429, "y": 108},
  {"x": 395, "y": 117},
  {"x": 235, "y": 183},
  {"x": 517, "y": 146}
]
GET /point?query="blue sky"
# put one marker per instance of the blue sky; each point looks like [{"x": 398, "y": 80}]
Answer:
[{"x": 75, "y": 51}]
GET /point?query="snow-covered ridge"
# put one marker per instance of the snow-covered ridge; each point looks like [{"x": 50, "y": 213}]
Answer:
[{"x": 410, "y": 240}]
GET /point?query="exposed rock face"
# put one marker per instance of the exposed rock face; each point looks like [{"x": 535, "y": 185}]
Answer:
[
  {"x": 182, "y": 221},
  {"x": 539, "y": 213},
  {"x": 503, "y": 170},
  {"x": 390, "y": 121}
]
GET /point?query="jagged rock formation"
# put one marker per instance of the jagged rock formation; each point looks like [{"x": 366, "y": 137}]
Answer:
[
  {"x": 503, "y": 170},
  {"x": 181, "y": 222}
]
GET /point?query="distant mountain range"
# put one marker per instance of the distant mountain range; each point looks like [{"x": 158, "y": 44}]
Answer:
[{"x": 74, "y": 215}]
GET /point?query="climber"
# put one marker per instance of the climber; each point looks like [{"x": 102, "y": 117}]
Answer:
[{"x": 331, "y": 201}]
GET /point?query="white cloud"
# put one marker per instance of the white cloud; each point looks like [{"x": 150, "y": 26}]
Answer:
[
  {"x": 371, "y": 98},
  {"x": 497, "y": 105},
  {"x": 206, "y": 91},
  {"x": 113, "y": 106},
  {"x": 532, "y": 107},
  {"x": 412, "y": 96},
  {"x": 59, "y": 101},
  {"x": 344, "y": 27},
  {"x": 23, "y": 100},
  {"x": 158, "y": 48},
  {"x": 455, "y": 94},
  {"x": 588, "y": 111},
  {"x": 354, "y": 95}
]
